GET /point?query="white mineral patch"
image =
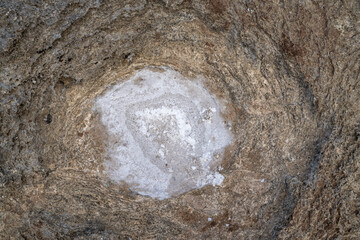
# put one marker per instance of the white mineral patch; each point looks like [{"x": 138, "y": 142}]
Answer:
[{"x": 164, "y": 131}]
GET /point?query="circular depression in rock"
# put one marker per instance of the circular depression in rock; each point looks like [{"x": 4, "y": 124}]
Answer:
[{"x": 166, "y": 133}]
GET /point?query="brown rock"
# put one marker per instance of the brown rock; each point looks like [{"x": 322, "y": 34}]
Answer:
[{"x": 290, "y": 68}]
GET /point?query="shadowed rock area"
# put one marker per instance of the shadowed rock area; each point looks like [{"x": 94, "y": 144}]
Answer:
[{"x": 288, "y": 69}]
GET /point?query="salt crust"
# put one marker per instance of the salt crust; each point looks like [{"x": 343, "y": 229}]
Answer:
[{"x": 166, "y": 133}]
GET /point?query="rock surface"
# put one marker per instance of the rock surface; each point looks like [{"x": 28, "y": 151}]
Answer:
[{"x": 290, "y": 68}]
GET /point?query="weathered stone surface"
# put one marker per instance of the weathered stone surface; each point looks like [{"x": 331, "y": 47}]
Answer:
[{"x": 290, "y": 68}]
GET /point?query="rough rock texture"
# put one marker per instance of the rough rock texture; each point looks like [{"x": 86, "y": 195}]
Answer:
[{"x": 291, "y": 69}]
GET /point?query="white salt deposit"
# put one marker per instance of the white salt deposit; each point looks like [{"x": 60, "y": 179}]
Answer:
[{"x": 164, "y": 131}]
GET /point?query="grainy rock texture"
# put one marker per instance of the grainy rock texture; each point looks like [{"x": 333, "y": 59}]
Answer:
[{"x": 290, "y": 68}]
